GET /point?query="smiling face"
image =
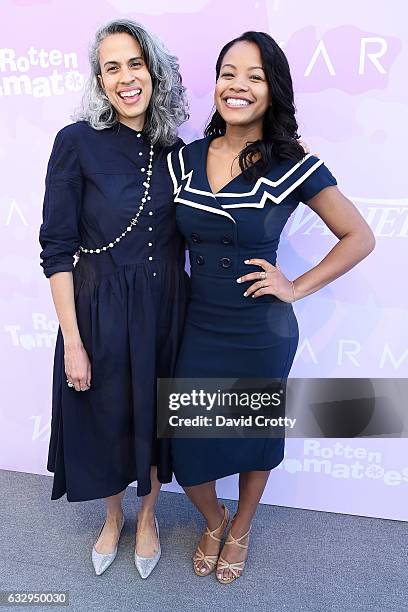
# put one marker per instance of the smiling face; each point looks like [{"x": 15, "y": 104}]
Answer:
[
  {"x": 125, "y": 78},
  {"x": 241, "y": 92}
]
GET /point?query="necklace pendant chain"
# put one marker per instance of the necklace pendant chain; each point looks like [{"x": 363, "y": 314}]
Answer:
[{"x": 135, "y": 220}]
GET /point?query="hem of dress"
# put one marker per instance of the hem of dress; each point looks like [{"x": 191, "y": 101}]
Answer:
[
  {"x": 229, "y": 473},
  {"x": 141, "y": 491}
]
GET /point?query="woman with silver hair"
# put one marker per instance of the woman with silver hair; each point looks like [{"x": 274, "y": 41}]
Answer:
[{"x": 121, "y": 308}]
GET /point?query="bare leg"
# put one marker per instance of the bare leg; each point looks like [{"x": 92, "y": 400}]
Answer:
[
  {"x": 107, "y": 541},
  {"x": 146, "y": 537},
  {"x": 204, "y": 497},
  {"x": 251, "y": 488}
]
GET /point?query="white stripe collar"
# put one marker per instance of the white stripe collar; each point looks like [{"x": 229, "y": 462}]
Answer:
[{"x": 212, "y": 204}]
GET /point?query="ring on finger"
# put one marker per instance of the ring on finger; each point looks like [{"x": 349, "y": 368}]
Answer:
[{"x": 263, "y": 275}]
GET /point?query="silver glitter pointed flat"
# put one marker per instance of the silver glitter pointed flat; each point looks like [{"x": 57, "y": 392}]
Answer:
[
  {"x": 102, "y": 562},
  {"x": 145, "y": 565}
]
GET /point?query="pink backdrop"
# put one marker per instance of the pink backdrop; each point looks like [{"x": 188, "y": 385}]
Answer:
[{"x": 349, "y": 66}]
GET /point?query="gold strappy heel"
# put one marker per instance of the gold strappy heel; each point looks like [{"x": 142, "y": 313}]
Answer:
[
  {"x": 210, "y": 560},
  {"x": 235, "y": 568}
]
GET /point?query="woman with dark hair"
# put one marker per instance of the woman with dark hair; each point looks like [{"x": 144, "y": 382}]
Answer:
[
  {"x": 235, "y": 190},
  {"x": 121, "y": 308}
]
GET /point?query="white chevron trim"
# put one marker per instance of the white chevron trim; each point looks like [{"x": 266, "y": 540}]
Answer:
[
  {"x": 173, "y": 176},
  {"x": 189, "y": 176},
  {"x": 210, "y": 209},
  {"x": 177, "y": 189},
  {"x": 268, "y": 196},
  {"x": 266, "y": 181},
  {"x": 260, "y": 181}
]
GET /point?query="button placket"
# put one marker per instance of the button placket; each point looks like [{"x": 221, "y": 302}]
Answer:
[{"x": 151, "y": 243}]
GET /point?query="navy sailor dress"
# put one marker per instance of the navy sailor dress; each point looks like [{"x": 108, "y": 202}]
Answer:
[
  {"x": 227, "y": 335},
  {"x": 130, "y": 304}
]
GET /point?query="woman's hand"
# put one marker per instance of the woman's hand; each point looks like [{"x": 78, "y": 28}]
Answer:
[
  {"x": 77, "y": 367},
  {"x": 270, "y": 281}
]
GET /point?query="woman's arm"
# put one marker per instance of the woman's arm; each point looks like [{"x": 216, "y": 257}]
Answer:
[
  {"x": 356, "y": 241},
  {"x": 77, "y": 364},
  {"x": 60, "y": 240}
]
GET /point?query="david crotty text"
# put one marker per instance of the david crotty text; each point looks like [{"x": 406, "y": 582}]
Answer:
[{"x": 222, "y": 421}]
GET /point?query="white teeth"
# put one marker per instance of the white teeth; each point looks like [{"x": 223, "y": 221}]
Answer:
[
  {"x": 237, "y": 102},
  {"x": 130, "y": 94}
]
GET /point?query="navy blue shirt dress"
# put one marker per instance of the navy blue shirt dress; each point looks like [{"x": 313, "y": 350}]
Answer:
[
  {"x": 227, "y": 335},
  {"x": 130, "y": 305}
]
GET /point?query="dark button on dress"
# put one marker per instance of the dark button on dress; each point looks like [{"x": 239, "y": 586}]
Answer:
[
  {"x": 226, "y": 262},
  {"x": 226, "y": 334},
  {"x": 130, "y": 305},
  {"x": 226, "y": 240}
]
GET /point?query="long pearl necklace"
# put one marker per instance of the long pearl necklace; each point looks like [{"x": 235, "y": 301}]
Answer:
[{"x": 133, "y": 222}]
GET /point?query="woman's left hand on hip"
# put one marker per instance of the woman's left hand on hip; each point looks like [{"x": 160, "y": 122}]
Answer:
[{"x": 268, "y": 281}]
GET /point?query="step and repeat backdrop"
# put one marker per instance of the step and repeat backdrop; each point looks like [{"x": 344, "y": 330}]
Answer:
[{"x": 348, "y": 63}]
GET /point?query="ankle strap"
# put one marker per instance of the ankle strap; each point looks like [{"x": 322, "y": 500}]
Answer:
[
  {"x": 222, "y": 524},
  {"x": 237, "y": 541}
]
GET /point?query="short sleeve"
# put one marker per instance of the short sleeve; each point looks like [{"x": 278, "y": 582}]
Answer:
[
  {"x": 59, "y": 232},
  {"x": 318, "y": 179}
]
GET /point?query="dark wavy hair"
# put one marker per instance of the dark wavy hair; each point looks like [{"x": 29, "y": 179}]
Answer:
[{"x": 280, "y": 136}]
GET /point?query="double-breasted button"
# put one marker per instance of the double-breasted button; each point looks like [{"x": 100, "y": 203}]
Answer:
[
  {"x": 226, "y": 240},
  {"x": 200, "y": 260},
  {"x": 195, "y": 237},
  {"x": 225, "y": 262}
]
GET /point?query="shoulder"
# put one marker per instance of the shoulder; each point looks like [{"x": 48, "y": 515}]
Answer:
[
  {"x": 292, "y": 172},
  {"x": 186, "y": 156},
  {"x": 299, "y": 179},
  {"x": 80, "y": 133},
  {"x": 191, "y": 148},
  {"x": 75, "y": 130},
  {"x": 304, "y": 178},
  {"x": 175, "y": 147},
  {"x": 292, "y": 165},
  {"x": 196, "y": 147},
  {"x": 67, "y": 147},
  {"x": 69, "y": 137}
]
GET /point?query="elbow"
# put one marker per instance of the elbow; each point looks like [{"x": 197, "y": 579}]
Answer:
[
  {"x": 363, "y": 241},
  {"x": 366, "y": 241},
  {"x": 370, "y": 241}
]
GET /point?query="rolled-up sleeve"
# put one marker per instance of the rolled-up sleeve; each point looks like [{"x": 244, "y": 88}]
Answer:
[{"x": 59, "y": 232}]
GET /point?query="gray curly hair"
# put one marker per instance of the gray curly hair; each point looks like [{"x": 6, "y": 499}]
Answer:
[{"x": 168, "y": 107}]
